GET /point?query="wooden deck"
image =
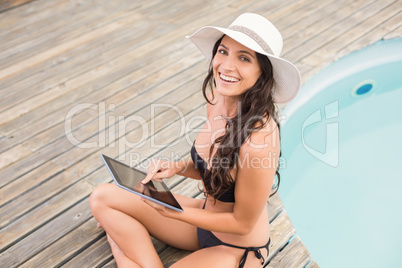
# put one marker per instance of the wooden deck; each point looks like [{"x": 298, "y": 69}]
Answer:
[{"x": 103, "y": 73}]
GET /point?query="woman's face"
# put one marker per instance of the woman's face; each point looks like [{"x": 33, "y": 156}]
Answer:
[{"x": 235, "y": 68}]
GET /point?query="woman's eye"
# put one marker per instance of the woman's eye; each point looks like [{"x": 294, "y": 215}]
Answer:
[
  {"x": 245, "y": 59},
  {"x": 222, "y": 51}
]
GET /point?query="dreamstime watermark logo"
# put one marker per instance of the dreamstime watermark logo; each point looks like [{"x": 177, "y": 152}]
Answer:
[{"x": 331, "y": 154}]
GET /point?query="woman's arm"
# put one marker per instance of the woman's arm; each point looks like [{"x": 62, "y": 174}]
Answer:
[{"x": 161, "y": 169}]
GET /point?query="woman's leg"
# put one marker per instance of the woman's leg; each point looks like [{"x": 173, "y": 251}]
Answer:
[
  {"x": 129, "y": 221},
  {"x": 121, "y": 259}
]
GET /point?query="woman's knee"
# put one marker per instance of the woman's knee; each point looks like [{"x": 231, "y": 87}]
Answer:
[{"x": 98, "y": 198}]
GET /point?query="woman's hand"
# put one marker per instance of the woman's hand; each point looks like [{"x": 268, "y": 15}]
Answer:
[
  {"x": 164, "y": 211},
  {"x": 161, "y": 169}
]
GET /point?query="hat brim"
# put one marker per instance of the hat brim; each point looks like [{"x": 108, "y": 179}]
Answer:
[{"x": 286, "y": 75}]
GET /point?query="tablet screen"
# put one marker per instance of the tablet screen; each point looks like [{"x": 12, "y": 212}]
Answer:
[{"x": 130, "y": 179}]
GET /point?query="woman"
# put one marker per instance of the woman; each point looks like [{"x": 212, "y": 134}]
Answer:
[{"x": 235, "y": 156}]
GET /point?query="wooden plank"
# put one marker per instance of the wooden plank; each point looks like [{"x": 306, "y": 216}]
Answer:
[
  {"x": 95, "y": 255},
  {"x": 9, "y": 4},
  {"x": 67, "y": 247},
  {"x": 396, "y": 33},
  {"x": 172, "y": 254},
  {"x": 188, "y": 187},
  {"x": 324, "y": 32},
  {"x": 387, "y": 23},
  {"x": 14, "y": 154},
  {"x": 18, "y": 170},
  {"x": 270, "y": 9},
  {"x": 18, "y": 19},
  {"x": 305, "y": 28},
  {"x": 296, "y": 13},
  {"x": 370, "y": 37},
  {"x": 274, "y": 206},
  {"x": 294, "y": 255},
  {"x": 286, "y": 10},
  {"x": 34, "y": 219},
  {"x": 281, "y": 232},
  {"x": 368, "y": 18},
  {"x": 46, "y": 235},
  {"x": 111, "y": 264}
]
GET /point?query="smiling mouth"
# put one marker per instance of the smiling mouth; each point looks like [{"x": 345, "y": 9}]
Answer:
[{"x": 228, "y": 79}]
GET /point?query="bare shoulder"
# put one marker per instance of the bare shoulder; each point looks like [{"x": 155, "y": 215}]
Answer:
[{"x": 263, "y": 141}]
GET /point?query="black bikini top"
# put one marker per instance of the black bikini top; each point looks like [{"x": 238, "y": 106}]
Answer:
[{"x": 200, "y": 164}]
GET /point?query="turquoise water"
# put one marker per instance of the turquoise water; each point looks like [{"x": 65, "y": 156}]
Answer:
[{"x": 341, "y": 180}]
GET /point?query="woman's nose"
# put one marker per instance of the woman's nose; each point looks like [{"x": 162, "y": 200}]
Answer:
[{"x": 228, "y": 64}]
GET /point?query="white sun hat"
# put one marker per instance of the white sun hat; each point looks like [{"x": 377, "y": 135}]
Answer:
[{"x": 259, "y": 34}]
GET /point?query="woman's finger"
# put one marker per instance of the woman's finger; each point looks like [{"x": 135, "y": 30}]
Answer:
[
  {"x": 162, "y": 174},
  {"x": 153, "y": 169}
]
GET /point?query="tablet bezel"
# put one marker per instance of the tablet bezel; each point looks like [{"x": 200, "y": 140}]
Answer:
[{"x": 119, "y": 183}]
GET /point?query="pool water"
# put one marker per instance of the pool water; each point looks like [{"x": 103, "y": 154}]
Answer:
[{"x": 341, "y": 176}]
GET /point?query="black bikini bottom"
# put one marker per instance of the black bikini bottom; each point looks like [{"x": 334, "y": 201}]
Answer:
[{"x": 208, "y": 239}]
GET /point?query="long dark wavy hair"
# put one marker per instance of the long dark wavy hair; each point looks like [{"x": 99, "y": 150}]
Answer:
[{"x": 256, "y": 106}]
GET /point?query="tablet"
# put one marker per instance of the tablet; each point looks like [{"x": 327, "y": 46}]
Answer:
[{"x": 130, "y": 179}]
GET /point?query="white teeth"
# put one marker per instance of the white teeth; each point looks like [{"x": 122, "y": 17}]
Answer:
[{"x": 228, "y": 78}]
